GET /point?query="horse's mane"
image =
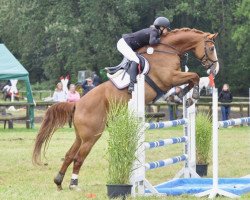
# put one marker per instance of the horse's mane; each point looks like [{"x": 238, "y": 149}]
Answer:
[{"x": 185, "y": 30}]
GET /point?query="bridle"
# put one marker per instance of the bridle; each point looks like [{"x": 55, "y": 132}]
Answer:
[{"x": 205, "y": 58}]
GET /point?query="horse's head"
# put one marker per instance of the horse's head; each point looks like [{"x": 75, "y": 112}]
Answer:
[
  {"x": 205, "y": 51},
  {"x": 201, "y": 43}
]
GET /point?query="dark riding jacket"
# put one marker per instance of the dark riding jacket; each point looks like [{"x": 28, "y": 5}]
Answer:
[
  {"x": 148, "y": 36},
  {"x": 225, "y": 97}
]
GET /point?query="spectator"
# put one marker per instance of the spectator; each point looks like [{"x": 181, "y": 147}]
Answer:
[
  {"x": 59, "y": 95},
  {"x": 87, "y": 85},
  {"x": 96, "y": 79},
  {"x": 226, "y": 98},
  {"x": 73, "y": 95}
]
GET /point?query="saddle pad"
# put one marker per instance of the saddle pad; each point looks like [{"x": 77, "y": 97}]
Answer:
[{"x": 121, "y": 78}]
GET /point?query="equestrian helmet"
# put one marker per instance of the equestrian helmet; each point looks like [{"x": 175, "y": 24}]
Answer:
[{"x": 162, "y": 21}]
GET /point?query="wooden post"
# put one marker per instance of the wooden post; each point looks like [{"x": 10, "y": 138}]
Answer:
[{"x": 27, "y": 116}]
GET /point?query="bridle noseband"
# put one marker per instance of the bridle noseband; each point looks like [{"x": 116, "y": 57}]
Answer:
[{"x": 205, "y": 58}]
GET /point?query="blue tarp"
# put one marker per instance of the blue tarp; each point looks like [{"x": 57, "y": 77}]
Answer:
[{"x": 181, "y": 186}]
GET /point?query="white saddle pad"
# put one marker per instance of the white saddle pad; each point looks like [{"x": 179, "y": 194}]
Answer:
[{"x": 121, "y": 78}]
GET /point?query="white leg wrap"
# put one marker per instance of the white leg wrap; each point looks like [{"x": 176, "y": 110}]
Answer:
[{"x": 74, "y": 176}]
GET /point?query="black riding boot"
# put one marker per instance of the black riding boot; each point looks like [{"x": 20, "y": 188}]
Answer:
[{"x": 133, "y": 73}]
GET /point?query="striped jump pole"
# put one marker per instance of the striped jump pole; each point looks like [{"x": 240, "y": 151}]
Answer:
[
  {"x": 166, "y": 162},
  {"x": 165, "y": 142},
  {"x": 166, "y": 124},
  {"x": 234, "y": 122}
]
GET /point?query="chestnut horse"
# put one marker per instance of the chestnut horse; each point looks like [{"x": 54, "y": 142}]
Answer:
[{"x": 90, "y": 112}]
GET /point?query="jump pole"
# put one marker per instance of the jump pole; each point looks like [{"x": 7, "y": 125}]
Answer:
[{"x": 215, "y": 189}]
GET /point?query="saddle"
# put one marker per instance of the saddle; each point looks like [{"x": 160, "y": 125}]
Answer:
[
  {"x": 124, "y": 65},
  {"x": 119, "y": 75}
]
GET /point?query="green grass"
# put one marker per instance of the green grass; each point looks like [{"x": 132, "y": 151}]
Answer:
[{"x": 19, "y": 179}]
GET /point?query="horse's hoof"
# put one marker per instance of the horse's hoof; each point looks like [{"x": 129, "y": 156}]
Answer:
[
  {"x": 58, "y": 180},
  {"x": 75, "y": 188},
  {"x": 59, "y": 187},
  {"x": 196, "y": 93},
  {"x": 189, "y": 102}
]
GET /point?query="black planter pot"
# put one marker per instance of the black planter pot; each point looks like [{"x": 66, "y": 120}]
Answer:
[
  {"x": 115, "y": 191},
  {"x": 201, "y": 169}
]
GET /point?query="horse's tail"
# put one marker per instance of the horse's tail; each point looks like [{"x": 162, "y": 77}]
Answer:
[{"x": 56, "y": 116}]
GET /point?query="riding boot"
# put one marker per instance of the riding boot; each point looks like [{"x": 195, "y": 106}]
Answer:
[{"x": 133, "y": 73}]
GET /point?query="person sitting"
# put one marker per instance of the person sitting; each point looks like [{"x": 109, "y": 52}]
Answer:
[
  {"x": 72, "y": 95},
  {"x": 59, "y": 95},
  {"x": 131, "y": 42},
  {"x": 87, "y": 85}
]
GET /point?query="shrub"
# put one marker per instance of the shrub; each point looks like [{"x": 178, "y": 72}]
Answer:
[
  {"x": 203, "y": 137},
  {"x": 123, "y": 127}
]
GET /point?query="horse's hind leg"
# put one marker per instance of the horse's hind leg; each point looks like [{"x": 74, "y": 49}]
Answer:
[
  {"x": 83, "y": 152},
  {"x": 69, "y": 157}
]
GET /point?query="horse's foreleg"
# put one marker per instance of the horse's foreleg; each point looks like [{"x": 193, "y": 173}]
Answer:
[
  {"x": 81, "y": 155},
  {"x": 69, "y": 157},
  {"x": 190, "y": 78}
]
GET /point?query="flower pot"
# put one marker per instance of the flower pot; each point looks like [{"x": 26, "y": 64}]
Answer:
[
  {"x": 201, "y": 169},
  {"x": 115, "y": 191}
]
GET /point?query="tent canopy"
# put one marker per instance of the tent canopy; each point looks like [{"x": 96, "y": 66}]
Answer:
[{"x": 11, "y": 68}]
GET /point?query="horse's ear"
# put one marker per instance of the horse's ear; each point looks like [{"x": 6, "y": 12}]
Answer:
[{"x": 212, "y": 36}]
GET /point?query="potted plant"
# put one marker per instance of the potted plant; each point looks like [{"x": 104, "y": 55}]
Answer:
[
  {"x": 203, "y": 127},
  {"x": 123, "y": 127}
]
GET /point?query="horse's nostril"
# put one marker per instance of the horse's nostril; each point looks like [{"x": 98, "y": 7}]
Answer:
[{"x": 211, "y": 48}]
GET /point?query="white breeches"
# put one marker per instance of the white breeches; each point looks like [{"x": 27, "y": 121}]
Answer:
[{"x": 126, "y": 50}]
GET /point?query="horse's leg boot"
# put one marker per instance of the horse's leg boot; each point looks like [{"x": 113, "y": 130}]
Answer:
[
  {"x": 183, "y": 92},
  {"x": 74, "y": 185},
  {"x": 133, "y": 73},
  {"x": 196, "y": 93},
  {"x": 58, "y": 180}
]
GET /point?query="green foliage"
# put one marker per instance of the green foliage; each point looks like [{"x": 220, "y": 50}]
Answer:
[
  {"x": 203, "y": 126},
  {"x": 123, "y": 128},
  {"x": 53, "y": 38}
]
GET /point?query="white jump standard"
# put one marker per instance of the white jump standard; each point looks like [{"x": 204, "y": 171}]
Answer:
[
  {"x": 223, "y": 124},
  {"x": 138, "y": 179}
]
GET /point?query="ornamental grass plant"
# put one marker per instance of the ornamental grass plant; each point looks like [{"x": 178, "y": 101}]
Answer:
[
  {"x": 123, "y": 127},
  {"x": 203, "y": 137}
]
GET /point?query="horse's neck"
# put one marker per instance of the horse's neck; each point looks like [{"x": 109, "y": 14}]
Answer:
[{"x": 184, "y": 40}]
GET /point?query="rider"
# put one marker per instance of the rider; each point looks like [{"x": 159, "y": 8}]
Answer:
[{"x": 131, "y": 42}]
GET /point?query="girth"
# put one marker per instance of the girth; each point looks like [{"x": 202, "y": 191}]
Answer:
[{"x": 159, "y": 91}]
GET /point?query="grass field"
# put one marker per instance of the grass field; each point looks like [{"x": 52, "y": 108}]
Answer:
[{"x": 19, "y": 179}]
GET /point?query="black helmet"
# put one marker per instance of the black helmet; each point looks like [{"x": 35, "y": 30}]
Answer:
[{"x": 162, "y": 21}]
